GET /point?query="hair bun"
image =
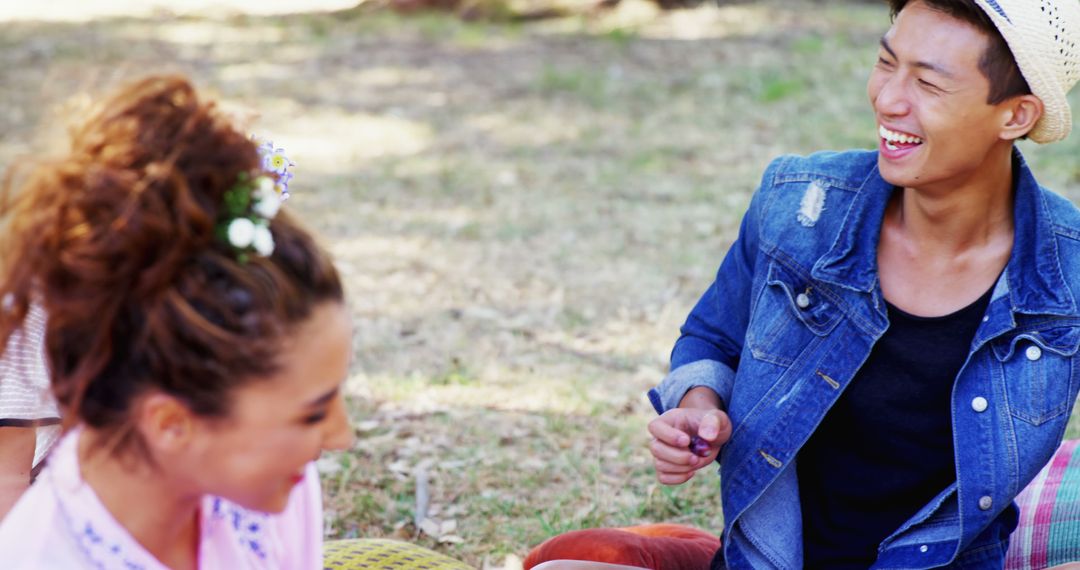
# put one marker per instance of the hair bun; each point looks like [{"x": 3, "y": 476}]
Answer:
[{"x": 155, "y": 162}]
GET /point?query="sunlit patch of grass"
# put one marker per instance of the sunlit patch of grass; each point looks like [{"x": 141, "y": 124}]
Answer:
[
  {"x": 456, "y": 374},
  {"x": 777, "y": 88},
  {"x": 587, "y": 85},
  {"x": 621, "y": 36},
  {"x": 809, "y": 45},
  {"x": 450, "y": 28}
]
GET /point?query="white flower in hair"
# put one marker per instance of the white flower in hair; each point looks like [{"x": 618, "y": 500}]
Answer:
[
  {"x": 252, "y": 202},
  {"x": 267, "y": 204},
  {"x": 241, "y": 233},
  {"x": 263, "y": 241},
  {"x": 265, "y": 185}
]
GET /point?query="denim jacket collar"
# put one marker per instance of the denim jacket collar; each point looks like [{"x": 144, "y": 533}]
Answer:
[
  {"x": 851, "y": 263},
  {"x": 1033, "y": 276}
]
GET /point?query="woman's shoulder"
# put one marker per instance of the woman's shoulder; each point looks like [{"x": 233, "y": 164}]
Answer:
[{"x": 31, "y": 535}]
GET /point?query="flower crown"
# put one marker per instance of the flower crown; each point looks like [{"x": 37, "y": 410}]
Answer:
[{"x": 253, "y": 201}]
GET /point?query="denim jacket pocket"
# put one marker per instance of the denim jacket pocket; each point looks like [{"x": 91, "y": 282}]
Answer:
[
  {"x": 788, "y": 314},
  {"x": 1037, "y": 366}
]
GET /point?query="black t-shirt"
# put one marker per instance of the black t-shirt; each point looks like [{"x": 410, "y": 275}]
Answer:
[{"x": 885, "y": 449}]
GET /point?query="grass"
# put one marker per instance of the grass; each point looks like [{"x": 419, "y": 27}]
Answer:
[
  {"x": 523, "y": 214},
  {"x": 521, "y": 477}
]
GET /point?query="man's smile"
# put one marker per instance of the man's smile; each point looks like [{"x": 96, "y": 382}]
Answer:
[{"x": 897, "y": 140}]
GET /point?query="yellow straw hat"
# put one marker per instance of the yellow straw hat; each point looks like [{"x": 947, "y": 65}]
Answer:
[{"x": 1044, "y": 37}]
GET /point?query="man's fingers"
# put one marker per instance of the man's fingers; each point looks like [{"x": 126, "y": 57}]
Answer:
[
  {"x": 673, "y": 455},
  {"x": 672, "y": 468},
  {"x": 715, "y": 427},
  {"x": 662, "y": 430},
  {"x": 673, "y": 460},
  {"x": 709, "y": 427},
  {"x": 725, "y": 429},
  {"x": 670, "y": 474},
  {"x": 674, "y": 479}
]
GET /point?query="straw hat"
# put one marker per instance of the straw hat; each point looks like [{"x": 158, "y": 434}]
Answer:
[{"x": 1044, "y": 37}]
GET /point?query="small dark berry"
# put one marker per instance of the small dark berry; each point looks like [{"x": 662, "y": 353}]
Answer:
[{"x": 699, "y": 446}]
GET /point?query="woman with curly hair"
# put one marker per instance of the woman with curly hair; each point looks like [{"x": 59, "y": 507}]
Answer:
[{"x": 196, "y": 340}]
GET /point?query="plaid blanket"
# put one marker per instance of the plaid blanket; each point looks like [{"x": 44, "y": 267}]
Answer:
[{"x": 1049, "y": 529}]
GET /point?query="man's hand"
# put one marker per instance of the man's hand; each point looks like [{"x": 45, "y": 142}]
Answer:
[{"x": 675, "y": 462}]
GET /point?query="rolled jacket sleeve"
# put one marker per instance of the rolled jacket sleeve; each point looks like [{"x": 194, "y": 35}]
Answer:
[{"x": 708, "y": 373}]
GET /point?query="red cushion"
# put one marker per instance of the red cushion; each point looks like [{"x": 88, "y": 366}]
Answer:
[{"x": 656, "y": 546}]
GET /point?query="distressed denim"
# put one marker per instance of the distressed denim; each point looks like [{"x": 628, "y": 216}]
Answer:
[{"x": 793, "y": 313}]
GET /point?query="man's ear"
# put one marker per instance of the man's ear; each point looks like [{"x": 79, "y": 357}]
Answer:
[
  {"x": 1021, "y": 114},
  {"x": 164, "y": 422}
]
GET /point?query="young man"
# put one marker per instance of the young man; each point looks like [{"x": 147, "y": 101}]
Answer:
[{"x": 889, "y": 351}]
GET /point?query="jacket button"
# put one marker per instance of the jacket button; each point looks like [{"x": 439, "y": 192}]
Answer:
[
  {"x": 802, "y": 300},
  {"x": 1033, "y": 353},
  {"x": 924, "y": 548},
  {"x": 985, "y": 502},
  {"x": 979, "y": 404}
]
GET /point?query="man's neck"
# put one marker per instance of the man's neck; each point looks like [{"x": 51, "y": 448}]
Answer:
[
  {"x": 941, "y": 248},
  {"x": 970, "y": 213},
  {"x": 145, "y": 501}
]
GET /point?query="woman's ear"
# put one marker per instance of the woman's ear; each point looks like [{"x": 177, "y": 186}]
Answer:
[
  {"x": 1022, "y": 112},
  {"x": 164, "y": 422}
]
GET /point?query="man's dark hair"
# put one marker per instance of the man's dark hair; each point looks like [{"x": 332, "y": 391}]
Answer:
[{"x": 997, "y": 62}]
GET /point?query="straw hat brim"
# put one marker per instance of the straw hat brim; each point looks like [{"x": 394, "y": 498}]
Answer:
[{"x": 1056, "y": 120}]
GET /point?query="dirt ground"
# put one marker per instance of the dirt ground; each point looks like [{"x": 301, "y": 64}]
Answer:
[{"x": 523, "y": 215}]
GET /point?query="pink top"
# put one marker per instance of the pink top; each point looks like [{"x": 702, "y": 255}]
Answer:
[{"x": 60, "y": 523}]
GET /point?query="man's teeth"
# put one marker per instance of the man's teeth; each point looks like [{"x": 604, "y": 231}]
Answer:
[{"x": 895, "y": 137}]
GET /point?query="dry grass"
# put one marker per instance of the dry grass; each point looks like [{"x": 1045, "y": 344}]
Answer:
[{"x": 523, "y": 215}]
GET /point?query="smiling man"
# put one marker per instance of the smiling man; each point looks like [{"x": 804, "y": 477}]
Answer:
[{"x": 889, "y": 351}]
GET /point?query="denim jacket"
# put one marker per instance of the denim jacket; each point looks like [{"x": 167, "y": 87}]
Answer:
[{"x": 793, "y": 313}]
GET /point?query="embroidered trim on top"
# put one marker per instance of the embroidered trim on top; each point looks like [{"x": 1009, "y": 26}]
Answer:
[
  {"x": 104, "y": 553},
  {"x": 248, "y": 525},
  {"x": 101, "y": 553}
]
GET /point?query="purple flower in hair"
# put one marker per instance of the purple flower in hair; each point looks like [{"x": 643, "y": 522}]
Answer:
[
  {"x": 274, "y": 159},
  {"x": 283, "y": 185}
]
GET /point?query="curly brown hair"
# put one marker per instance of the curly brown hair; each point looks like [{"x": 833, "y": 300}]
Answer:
[{"x": 116, "y": 240}]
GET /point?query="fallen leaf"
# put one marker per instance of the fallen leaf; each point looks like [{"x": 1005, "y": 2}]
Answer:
[
  {"x": 448, "y": 527},
  {"x": 366, "y": 426},
  {"x": 328, "y": 465},
  {"x": 430, "y": 527},
  {"x": 403, "y": 534},
  {"x": 400, "y": 467}
]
